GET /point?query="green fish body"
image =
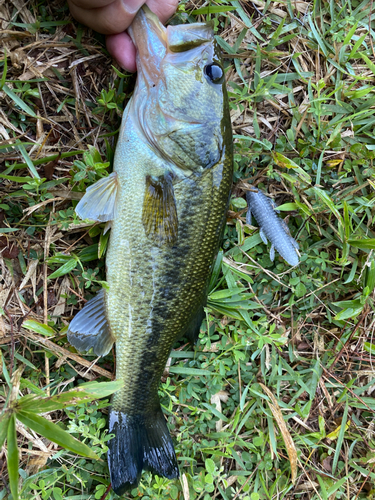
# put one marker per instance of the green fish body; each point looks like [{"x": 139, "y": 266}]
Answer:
[{"x": 167, "y": 201}]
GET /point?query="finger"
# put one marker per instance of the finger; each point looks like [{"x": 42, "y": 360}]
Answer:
[
  {"x": 164, "y": 10},
  {"x": 89, "y": 4},
  {"x": 110, "y": 19},
  {"x": 131, "y": 5},
  {"x": 122, "y": 49}
]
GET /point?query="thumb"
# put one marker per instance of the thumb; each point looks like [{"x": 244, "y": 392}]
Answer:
[{"x": 107, "y": 17}]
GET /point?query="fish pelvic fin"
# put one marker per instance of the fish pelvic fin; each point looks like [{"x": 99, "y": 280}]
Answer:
[
  {"x": 99, "y": 201},
  {"x": 90, "y": 329},
  {"x": 139, "y": 443},
  {"x": 159, "y": 214}
]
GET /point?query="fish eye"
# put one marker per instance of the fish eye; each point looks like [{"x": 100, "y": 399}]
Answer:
[{"x": 214, "y": 72}]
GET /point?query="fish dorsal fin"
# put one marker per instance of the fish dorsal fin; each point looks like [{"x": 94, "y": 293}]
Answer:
[
  {"x": 90, "y": 329},
  {"x": 99, "y": 201},
  {"x": 159, "y": 214}
]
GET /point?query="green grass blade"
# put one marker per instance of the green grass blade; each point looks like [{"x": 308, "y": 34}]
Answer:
[
  {"x": 13, "y": 457},
  {"x": 64, "y": 269},
  {"x": 19, "y": 102},
  {"x": 28, "y": 161},
  {"x": 35, "y": 326},
  {"x": 84, "y": 393},
  {"x": 54, "y": 433},
  {"x": 340, "y": 438},
  {"x": 4, "y": 75},
  {"x": 318, "y": 38}
]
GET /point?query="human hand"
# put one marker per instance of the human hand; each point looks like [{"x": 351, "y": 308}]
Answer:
[{"x": 113, "y": 17}]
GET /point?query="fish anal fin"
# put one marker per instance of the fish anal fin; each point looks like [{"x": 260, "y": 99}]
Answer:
[
  {"x": 90, "y": 329},
  {"x": 159, "y": 214},
  {"x": 99, "y": 201}
]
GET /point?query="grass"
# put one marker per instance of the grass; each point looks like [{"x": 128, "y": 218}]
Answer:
[{"x": 276, "y": 400}]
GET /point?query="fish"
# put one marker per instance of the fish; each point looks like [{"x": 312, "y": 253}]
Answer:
[
  {"x": 166, "y": 202},
  {"x": 271, "y": 226}
]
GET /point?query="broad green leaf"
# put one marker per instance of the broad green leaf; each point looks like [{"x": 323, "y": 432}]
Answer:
[
  {"x": 59, "y": 258},
  {"x": 4, "y": 421},
  {"x": 89, "y": 253},
  {"x": 13, "y": 457},
  {"x": 251, "y": 242},
  {"x": 103, "y": 242},
  {"x": 35, "y": 326},
  {"x": 328, "y": 201},
  {"x": 238, "y": 203},
  {"x": 210, "y": 465},
  {"x": 304, "y": 208},
  {"x": 212, "y": 9},
  {"x": 182, "y": 370},
  {"x": 84, "y": 393},
  {"x": 300, "y": 290},
  {"x": 287, "y": 207},
  {"x": 4, "y": 230},
  {"x": 5, "y": 69},
  {"x": 368, "y": 61},
  {"x": 351, "y": 310},
  {"x": 335, "y": 434},
  {"x": 215, "y": 412},
  {"x": 54, "y": 433},
  {"x": 365, "y": 244},
  {"x": 64, "y": 269},
  {"x": 223, "y": 294},
  {"x": 337, "y": 485},
  {"x": 369, "y": 347},
  {"x": 16, "y": 178},
  {"x": 266, "y": 144},
  {"x": 216, "y": 271},
  {"x": 285, "y": 162},
  {"x": 370, "y": 275}
]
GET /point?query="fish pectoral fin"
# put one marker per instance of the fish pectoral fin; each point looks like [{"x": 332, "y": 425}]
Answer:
[
  {"x": 90, "y": 329},
  {"x": 99, "y": 201},
  {"x": 159, "y": 214}
]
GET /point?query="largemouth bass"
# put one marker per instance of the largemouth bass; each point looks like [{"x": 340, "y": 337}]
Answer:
[{"x": 167, "y": 200}]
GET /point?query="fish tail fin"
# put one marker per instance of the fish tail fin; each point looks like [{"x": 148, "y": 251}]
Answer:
[{"x": 139, "y": 443}]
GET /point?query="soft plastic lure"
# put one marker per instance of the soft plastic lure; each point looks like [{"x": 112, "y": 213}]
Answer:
[{"x": 271, "y": 226}]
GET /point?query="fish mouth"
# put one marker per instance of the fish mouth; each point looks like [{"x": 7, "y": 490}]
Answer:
[{"x": 153, "y": 41}]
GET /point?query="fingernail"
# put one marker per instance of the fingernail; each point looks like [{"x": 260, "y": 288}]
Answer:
[{"x": 132, "y": 6}]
